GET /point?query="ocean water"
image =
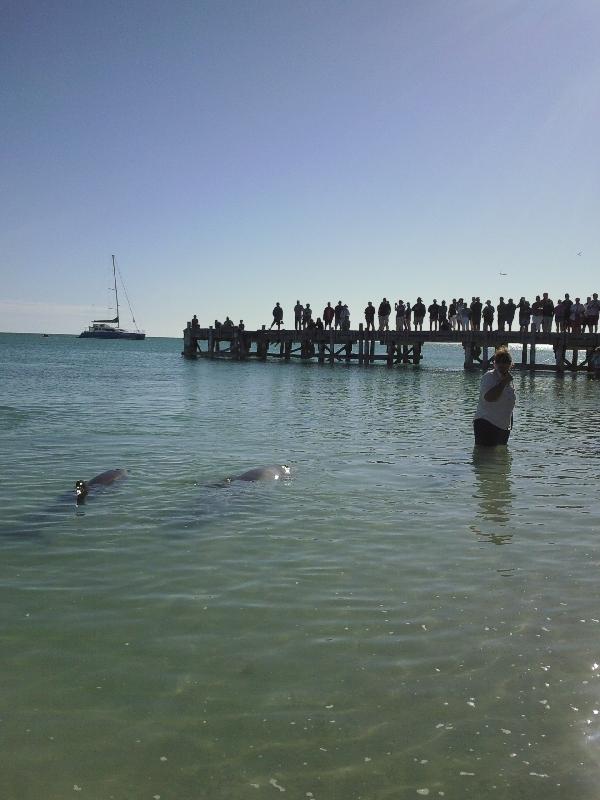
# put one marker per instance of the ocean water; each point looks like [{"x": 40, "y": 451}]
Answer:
[{"x": 405, "y": 617}]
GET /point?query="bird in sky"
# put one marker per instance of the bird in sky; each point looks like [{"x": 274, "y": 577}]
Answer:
[
  {"x": 580, "y": 253},
  {"x": 503, "y": 273}
]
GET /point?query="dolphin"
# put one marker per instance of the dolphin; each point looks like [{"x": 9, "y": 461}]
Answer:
[
  {"x": 38, "y": 522},
  {"x": 275, "y": 472},
  {"x": 98, "y": 482}
]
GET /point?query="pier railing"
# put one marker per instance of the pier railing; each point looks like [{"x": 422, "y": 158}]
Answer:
[{"x": 572, "y": 351}]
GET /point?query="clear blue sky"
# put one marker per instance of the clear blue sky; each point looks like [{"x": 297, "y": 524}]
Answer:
[{"x": 236, "y": 153}]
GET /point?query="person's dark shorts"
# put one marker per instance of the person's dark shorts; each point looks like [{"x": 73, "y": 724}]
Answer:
[{"x": 489, "y": 435}]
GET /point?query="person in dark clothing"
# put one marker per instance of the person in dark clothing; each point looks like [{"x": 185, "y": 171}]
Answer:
[
  {"x": 488, "y": 315},
  {"x": 476, "y": 308},
  {"x": 593, "y": 310},
  {"x": 443, "y": 314},
  {"x": 400, "y": 309},
  {"x": 434, "y": 315},
  {"x": 577, "y": 315},
  {"x": 370, "y": 316},
  {"x": 559, "y": 316},
  {"x": 524, "y": 315},
  {"x": 536, "y": 315},
  {"x": 501, "y": 309},
  {"x": 306, "y": 315},
  {"x": 443, "y": 317},
  {"x": 419, "y": 314},
  {"x": 277, "y": 316},
  {"x": 328, "y": 315},
  {"x": 547, "y": 313},
  {"x": 567, "y": 303},
  {"x": 298, "y": 311},
  {"x": 510, "y": 312},
  {"x": 337, "y": 314},
  {"x": 452, "y": 313},
  {"x": 383, "y": 312}
]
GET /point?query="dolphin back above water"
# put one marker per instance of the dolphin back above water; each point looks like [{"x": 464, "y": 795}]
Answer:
[
  {"x": 276, "y": 472},
  {"x": 85, "y": 488}
]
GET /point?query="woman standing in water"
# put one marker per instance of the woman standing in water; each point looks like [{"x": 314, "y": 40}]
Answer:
[{"x": 493, "y": 418}]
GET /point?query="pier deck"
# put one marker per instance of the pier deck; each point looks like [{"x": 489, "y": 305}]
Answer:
[{"x": 571, "y": 350}]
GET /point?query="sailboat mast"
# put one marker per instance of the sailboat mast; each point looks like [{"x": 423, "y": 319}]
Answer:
[{"x": 116, "y": 293}]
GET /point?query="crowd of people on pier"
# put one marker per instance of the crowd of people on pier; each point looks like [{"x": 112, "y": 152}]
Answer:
[
  {"x": 540, "y": 315},
  {"x": 568, "y": 316}
]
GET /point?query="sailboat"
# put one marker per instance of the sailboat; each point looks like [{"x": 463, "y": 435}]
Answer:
[{"x": 105, "y": 328}]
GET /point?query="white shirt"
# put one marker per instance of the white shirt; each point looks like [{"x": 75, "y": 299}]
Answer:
[{"x": 498, "y": 413}]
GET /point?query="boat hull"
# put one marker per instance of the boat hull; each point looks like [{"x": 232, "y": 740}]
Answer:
[{"x": 111, "y": 335}]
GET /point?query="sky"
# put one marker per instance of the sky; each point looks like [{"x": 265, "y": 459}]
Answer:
[{"x": 234, "y": 154}]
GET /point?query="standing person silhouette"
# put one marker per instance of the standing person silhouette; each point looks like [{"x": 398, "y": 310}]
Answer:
[
  {"x": 328, "y": 315},
  {"x": 337, "y": 311},
  {"x": 277, "y": 316},
  {"x": 383, "y": 314},
  {"x": 298, "y": 312}
]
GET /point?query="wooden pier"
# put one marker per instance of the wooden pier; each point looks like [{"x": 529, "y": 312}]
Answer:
[{"x": 572, "y": 351}]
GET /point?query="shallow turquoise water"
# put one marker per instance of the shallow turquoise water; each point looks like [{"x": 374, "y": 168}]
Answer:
[{"x": 404, "y": 618}]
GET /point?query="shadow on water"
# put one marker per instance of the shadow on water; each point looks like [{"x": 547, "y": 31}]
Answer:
[
  {"x": 237, "y": 500},
  {"x": 35, "y": 525},
  {"x": 493, "y": 490},
  {"x": 38, "y": 524}
]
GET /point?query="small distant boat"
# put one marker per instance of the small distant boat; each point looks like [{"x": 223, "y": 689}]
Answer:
[{"x": 109, "y": 328}]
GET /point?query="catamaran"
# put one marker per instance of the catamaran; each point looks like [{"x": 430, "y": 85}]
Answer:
[{"x": 105, "y": 328}]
